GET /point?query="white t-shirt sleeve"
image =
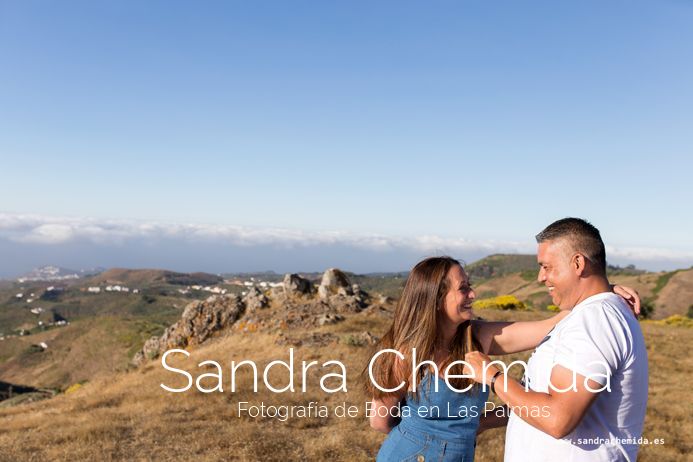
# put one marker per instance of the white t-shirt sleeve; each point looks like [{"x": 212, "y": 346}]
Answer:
[{"x": 591, "y": 344}]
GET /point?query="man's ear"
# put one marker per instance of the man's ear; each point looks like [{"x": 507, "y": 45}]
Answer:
[{"x": 579, "y": 264}]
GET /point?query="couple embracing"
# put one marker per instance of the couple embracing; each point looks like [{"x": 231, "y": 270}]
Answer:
[{"x": 584, "y": 391}]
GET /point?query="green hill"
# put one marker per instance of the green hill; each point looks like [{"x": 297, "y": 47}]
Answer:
[
  {"x": 147, "y": 277},
  {"x": 503, "y": 264}
]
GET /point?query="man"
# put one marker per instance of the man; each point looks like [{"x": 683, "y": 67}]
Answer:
[{"x": 587, "y": 381}]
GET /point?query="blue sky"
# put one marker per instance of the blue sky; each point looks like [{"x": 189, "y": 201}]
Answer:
[{"x": 465, "y": 125}]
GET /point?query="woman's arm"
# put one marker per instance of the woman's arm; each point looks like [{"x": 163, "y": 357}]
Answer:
[
  {"x": 500, "y": 338},
  {"x": 496, "y": 417},
  {"x": 385, "y": 411}
]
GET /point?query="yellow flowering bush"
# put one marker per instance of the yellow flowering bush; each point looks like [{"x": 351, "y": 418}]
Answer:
[
  {"x": 73, "y": 388},
  {"x": 676, "y": 320},
  {"x": 502, "y": 302}
]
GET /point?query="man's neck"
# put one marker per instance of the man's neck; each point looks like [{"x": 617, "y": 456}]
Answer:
[{"x": 589, "y": 287}]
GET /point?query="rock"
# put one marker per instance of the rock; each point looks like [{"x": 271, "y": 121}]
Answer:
[
  {"x": 151, "y": 347},
  {"x": 307, "y": 314},
  {"x": 333, "y": 280},
  {"x": 329, "y": 318},
  {"x": 323, "y": 292},
  {"x": 200, "y": 320},
  {"x": 277, "y": 293},
  {"x": 296, "y": 285},
  {"x": 362, "y": 339},
  {"x": 316, "y": 339},
  {"x": 368, "y": 338},
  {"x": 255, "y": 299},
  {"x": 346, "y": 304}
]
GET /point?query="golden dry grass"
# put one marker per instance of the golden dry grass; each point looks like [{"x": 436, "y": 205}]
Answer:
[{"x": 129, "y": 417}]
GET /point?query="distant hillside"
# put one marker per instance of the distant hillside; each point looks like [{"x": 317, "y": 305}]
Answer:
[
  {"x": 38, "y": 309},
  {"x": 77, "y": 352},
  {"x": 56, "y": 273},
  {"x": 503, "y": 264},
  {"x": 674, "y": 293},
  {"x": 667, "y": 292},
  {"x": 146, "y": 277}
]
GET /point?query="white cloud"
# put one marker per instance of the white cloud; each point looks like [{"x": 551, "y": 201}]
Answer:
[
  {"x": 45, "y": 230},
  {"x": 49, "y": 234},
  {"x": 649, "y": 254}
]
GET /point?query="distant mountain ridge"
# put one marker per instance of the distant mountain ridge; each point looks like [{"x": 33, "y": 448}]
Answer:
[{"x": 140, "y": 277}]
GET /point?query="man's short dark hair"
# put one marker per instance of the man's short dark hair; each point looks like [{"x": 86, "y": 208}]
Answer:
[{"x": 582, "y": 235}]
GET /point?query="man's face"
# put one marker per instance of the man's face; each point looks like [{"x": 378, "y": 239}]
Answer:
[{"x": 556, "y": 273}]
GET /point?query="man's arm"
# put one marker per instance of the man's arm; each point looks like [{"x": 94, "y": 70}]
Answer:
[{"x": 557, "y": 412}]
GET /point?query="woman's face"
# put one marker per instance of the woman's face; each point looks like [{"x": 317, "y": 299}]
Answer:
[{"x": 458, "y": 301}]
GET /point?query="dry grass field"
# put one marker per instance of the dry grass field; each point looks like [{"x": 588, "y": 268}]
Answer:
[{"x": 128, "y": 416}]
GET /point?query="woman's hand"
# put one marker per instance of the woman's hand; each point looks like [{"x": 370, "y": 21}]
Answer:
[
  {"x": 479, "y": 368},
  {"x": 630, "y": 295}
]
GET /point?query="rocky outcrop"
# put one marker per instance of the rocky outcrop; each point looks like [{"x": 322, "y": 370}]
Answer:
[
  {"x": 295, "y": 305},
  {"x": 254, "y": 299},
  {"x": 296, "y": 285},
  {"x": 336, "y": 290},
  {"x": 200, "y": 320}
]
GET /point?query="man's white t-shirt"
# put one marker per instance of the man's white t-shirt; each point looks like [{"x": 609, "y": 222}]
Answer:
[{"x": 600, "y": 338}]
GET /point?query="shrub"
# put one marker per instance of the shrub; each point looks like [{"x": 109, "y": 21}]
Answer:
[
  {"x": 354, "y": 340},
  {"x": 553, "y": 308},
  {"x": 646, "y": 309},
  {"x": 502, "y": 302},
  {"x": 35, "y": 349},
  {"x": 676, "y": 320},
  {"x": 529, "y": 275},
  {"x": 73, "y": 388}
]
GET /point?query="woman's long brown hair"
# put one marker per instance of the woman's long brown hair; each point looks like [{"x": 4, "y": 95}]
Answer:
[{"x": 415, "y": 325}]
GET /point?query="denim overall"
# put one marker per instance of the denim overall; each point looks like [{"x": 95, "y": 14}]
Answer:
[{"x": 436, "y": 426}]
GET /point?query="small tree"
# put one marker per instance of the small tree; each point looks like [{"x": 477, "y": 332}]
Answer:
[{"x": 646, "y": 309}]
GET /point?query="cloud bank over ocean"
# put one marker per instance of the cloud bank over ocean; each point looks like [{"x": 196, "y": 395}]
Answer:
[{"x": 34, "y": 240}]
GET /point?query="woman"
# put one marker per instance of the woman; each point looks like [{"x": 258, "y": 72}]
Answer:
[{"x": 424, "y": 417}]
